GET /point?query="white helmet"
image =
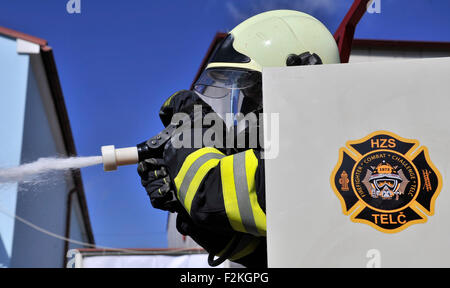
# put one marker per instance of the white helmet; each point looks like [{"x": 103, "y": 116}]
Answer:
[{"x": 231, "y": 82}]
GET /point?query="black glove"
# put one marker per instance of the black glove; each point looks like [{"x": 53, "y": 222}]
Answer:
[{"x": 157, "y": 183}]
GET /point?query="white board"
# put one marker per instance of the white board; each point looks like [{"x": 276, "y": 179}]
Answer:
[
  {"x": 320, "y": 109},
  {"x": 147, "y": 261}
]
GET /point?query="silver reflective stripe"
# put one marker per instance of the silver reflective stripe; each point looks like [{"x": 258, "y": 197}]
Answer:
[
  {"x": 193, "y": 170},
  {"x": 242, "y": 194}
]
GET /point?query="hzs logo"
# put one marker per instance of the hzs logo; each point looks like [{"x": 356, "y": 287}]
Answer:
[{"x": 73, "y": 6}]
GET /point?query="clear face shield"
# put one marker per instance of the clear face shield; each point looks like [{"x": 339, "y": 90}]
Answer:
[{"x": 230, "y": 91}]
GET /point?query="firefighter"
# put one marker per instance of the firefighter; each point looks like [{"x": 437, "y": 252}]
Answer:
[{"x": 220, "y": 191}]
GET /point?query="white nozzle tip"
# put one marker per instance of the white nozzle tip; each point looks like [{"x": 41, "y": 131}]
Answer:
[
  {"x": 109, "y": 158},
  {"x": 113, "y": 157}
]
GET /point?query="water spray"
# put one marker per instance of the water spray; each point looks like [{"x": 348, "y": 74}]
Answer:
[{"x": 111, "y": 158}]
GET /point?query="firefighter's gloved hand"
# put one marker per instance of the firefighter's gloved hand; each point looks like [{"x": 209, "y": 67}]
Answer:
[{"x": 157, "y": 183}]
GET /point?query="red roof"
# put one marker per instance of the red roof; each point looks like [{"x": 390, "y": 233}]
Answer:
[{"x": 19, "y": 35}]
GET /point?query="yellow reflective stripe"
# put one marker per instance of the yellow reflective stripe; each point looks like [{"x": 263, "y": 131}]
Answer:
[
  {"x": 229, "y": 194},
  {"x": 239, "y": 191},
  {"x": 193, "y": 186},
  {"x": 251, "y": 164},
  {"x": 188, "y": 162}
]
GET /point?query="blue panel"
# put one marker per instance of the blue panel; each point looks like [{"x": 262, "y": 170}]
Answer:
[
  {"x": 13, "y": 84},
  {"x": 76, "y": 226},
  {"x": 43, "y": 202}
]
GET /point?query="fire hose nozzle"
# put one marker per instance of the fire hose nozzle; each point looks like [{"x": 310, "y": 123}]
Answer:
[
  {"x": 113, "y": 157},
  {"x": 152, "y": 148}
]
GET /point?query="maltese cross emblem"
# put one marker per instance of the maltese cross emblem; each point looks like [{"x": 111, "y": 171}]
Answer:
[{"x": 386, "y": 181}]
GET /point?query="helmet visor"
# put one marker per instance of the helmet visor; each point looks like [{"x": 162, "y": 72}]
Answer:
[
  {"x": 230, "y": 91},
  {"x": 220, "y": 80}
]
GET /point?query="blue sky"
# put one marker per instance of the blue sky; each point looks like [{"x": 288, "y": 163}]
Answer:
[{"x": 119, "y": 60}]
